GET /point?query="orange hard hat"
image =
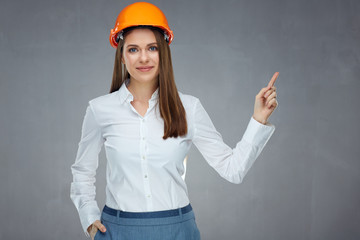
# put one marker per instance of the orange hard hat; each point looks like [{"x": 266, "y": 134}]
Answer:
[{"x": 140, "y": 14}]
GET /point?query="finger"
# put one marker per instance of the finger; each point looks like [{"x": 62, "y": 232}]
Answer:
[
  {"x": 272, "y": 95},
  {"x": 273, "y": 79},
  {"x": 270, "y": 91},
  {"x": 262, "y": 92},
  {"x": 100, "y": 226},
  {"x": 272, "y": 103}
]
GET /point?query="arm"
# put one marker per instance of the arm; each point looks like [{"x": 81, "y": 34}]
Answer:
[
  {"x": 82, "y": 191},
  {"x": 231, "y": 164}
]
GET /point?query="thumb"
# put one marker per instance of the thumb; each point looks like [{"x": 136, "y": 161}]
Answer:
[{"x": 100, "y": 226}]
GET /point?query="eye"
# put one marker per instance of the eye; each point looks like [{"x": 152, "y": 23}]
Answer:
[
  {"x": 132, "y": 50},
  {"x": 153, "y": 48}
]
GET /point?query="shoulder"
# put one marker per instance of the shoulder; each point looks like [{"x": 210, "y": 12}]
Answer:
[
  {"x": 190, "y": 104},
  {"x": 193, "y": 105},
  {"x": 187, "y": 99},
  {"x": 103, "y": 100}
]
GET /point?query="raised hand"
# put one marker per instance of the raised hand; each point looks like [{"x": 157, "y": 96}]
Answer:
[{"x": 265, "y": 101}]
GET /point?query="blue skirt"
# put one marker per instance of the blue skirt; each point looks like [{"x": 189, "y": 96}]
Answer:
[{"x": 176, "y": 224}]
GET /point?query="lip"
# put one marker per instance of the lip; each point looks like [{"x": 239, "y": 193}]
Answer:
[{"x": 145, "y": 68}]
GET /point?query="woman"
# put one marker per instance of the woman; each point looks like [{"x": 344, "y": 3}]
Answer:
[{"x": 147, "y": 128}]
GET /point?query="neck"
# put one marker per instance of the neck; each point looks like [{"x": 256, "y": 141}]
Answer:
[{"x": 142, "y": 91}]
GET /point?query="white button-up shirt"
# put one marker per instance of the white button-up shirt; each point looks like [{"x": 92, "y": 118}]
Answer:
[{"x": 144, "y": 172}]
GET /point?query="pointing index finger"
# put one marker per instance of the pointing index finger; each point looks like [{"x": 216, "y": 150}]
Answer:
[{"x": 273, "y": 79}]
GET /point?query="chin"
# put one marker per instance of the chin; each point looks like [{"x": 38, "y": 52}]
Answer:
[{"x": 144, "y": 79}]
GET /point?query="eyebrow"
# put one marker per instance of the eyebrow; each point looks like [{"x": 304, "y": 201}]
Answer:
[{"x": 134, "y": 45}]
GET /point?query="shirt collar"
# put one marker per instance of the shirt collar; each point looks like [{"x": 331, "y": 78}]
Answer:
[{"x": 125, "y": 94}]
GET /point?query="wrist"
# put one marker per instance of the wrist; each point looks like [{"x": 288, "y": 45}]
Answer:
[
  {"x": 89, "y": 228},
  {"x": 262, "y": 121}
]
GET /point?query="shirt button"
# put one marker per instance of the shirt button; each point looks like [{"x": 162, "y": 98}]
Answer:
[
  {"x": 145, "y": 176},
  {"x": 148, "y": 196},
  {"x": 143, "y": 138},
  {"x": 143, "y": 157}
]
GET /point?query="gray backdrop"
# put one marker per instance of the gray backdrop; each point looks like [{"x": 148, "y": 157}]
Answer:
[{"x": 55, "y": 56}]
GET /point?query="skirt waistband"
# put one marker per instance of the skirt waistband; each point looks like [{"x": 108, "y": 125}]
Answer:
[{"x": 155, "y": 214}]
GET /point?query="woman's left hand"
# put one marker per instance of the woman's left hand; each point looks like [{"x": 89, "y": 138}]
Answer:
[{"x": 265, "y": 101}]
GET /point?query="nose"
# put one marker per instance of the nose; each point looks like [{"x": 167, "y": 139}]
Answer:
[{"x": 144, "y": 57}]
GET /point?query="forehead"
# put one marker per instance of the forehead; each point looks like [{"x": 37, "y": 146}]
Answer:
[{"x": 140, "y": 36}]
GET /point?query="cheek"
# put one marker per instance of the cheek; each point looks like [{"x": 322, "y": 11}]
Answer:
[
  {"x": 156, "y": 58},
  {"x": 129, "y": 59}
]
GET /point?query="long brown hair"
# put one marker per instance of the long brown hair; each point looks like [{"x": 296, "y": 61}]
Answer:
[{"x": 171, "y": 108}]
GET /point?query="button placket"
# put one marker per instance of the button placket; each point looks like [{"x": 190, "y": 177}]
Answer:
[{"x": 144, "y": 163}]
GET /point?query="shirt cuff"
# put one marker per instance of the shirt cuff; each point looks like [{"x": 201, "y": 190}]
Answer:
[
  {"x": 257, "y": 133},
  {"x": 86, "y": 221},
  {"x": 86, "y": 225}
]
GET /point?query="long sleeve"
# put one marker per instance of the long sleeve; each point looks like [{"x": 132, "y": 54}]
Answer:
[
  {"x": 83, "y": 191},
  {"x": 231, "y": 164}
]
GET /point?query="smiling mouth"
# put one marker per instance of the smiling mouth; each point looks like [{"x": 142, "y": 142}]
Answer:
[{"x": 144, "y": 69}]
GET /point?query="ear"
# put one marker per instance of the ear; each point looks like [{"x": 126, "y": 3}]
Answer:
[{"x": 122, "y": 60}]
